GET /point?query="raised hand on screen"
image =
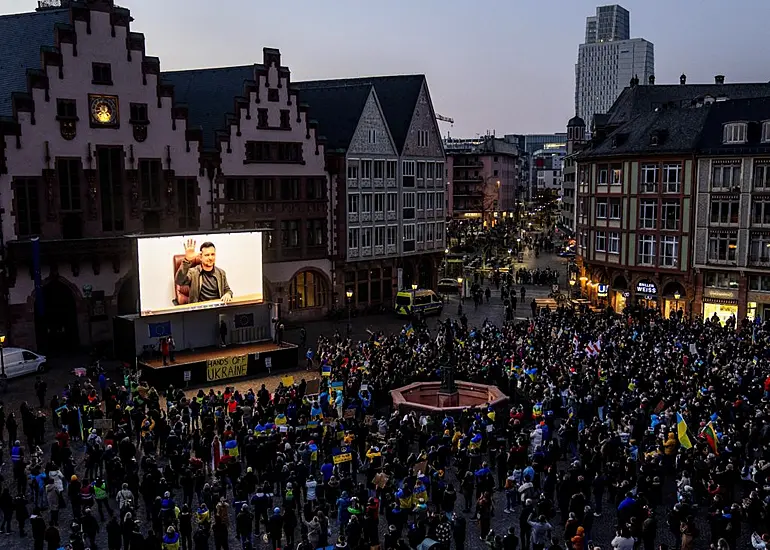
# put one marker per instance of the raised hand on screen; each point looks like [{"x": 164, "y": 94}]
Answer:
[{"x": 189, "y": 250}]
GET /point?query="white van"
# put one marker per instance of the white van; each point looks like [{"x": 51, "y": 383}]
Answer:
[{"x": 19, "y": 362}]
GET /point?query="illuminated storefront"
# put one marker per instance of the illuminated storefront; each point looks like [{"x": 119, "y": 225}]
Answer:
[
  {"x": 722, "y": 303},
  {"x": 646, "y": 293},
  {"x": 674, "y": 299}
]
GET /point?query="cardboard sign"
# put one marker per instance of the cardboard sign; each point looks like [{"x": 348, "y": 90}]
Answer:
[
  {"x": 313, "y": 387},
  {"x": 268, "y": 363},
  {"x": 187, "y": 375},
  {"x": 364, "y": 387},
  {"x": 226, "y": 367},
  {"x": 420, "y": 467},
  {"x": 283, "y": 429},
  {"x": 287, "y": 381},
  {"x": 344, "y": 457}
]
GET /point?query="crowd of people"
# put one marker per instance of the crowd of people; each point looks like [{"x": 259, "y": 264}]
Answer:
[{"x": 624, "y": 431}]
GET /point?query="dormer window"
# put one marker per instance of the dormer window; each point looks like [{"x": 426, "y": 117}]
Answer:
[
  {"x": 766, "y": 131},
  {"x": 734, "y": 132},
  {"x": 654, "y": 140}
]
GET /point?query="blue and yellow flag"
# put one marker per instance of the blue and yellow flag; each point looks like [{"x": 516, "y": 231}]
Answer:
[{"x": 681, "y": 429}]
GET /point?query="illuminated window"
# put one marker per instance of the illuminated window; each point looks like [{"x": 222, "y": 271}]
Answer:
[{"x": 308, "y": 289}]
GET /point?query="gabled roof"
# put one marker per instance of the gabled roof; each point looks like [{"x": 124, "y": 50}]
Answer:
[
  {"x": 676, "y": 131},
  {"x": 337, "y": 110},
  {"x": 210, "y": 95},
  {"x": 397, "y": 95},
  {"x": 640, "y": 99},
  {"x": 22, "y": 36},
  {"x": 754, "y": 111}
]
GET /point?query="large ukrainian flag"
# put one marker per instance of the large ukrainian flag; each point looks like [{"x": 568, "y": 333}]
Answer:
[{"x": 681, "y": 429}]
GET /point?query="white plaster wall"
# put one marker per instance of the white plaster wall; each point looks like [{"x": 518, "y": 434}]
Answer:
[{"x": 99, "y": 46}]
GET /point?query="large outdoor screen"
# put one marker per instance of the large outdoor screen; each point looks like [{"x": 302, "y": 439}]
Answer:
[{"x": 191, "y": 272}]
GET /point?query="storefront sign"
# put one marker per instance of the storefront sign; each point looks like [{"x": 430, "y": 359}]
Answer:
[
  {"x": 720, "y": 294},
  {"x": 646, "y": 287},
  {"x": 227, "y": 367},
  {"x": 602, "y": 290}
]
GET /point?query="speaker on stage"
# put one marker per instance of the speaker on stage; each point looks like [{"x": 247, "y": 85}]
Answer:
[{"x": 224, "y": 328}]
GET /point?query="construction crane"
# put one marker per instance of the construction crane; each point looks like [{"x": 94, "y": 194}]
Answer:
[{"x": 445, "y": 119}]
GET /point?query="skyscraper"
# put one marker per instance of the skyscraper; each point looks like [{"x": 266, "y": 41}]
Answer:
[{"x": 608, "y": 60}]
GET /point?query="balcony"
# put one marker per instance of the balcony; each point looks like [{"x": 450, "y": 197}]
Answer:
[{"x": 468, "y": 164}]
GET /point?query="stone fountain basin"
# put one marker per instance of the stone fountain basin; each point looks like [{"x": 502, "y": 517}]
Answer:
[{"x": 428, "y": 397}]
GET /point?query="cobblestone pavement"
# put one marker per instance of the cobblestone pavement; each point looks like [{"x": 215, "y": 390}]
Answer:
[{"x": 604, "y": 526}]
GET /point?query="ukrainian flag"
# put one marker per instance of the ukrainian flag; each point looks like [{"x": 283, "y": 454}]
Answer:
[{"x": 681, "y": 428}]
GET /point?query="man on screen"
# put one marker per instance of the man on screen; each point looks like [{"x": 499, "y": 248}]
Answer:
[{"x": 206, "y": 281}]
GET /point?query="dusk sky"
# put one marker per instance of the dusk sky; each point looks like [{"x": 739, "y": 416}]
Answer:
[{"x": 503, "y": 65}]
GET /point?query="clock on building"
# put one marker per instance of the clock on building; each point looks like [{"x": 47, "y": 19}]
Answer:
[{"x": 104, "y": 111}]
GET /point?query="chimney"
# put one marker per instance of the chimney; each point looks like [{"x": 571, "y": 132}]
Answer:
[
  {"x": 719, "y": 79},
  {"x": 683, "y": 79},
  {"x": 634, "y": 81},
  {"x": 652, "y": 80}
]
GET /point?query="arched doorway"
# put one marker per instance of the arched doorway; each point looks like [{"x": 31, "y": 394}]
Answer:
[
  {"x": 56, "y": 319},
  {"x": 126, "y": 301}
]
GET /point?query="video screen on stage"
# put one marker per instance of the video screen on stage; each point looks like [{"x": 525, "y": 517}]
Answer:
[{"x": 199, "y": 271}]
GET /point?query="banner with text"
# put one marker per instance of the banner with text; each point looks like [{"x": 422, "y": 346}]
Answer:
[{"x": 226, "y": 367}]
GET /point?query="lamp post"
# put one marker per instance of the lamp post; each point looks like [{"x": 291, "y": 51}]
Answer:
[
  {"x": 349, "y": 296},
  {"x": 677, "y": 295},
  {"x": 462, "y": 288},
  {"x": 88, "y": 294},
  {"x": 2, "y": 356},
  {"x": 571, "y": 287}
]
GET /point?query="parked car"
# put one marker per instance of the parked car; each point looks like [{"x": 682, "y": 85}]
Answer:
[
  {"x": 448, "y": 286},
  {"x": 18, "y": 362}
]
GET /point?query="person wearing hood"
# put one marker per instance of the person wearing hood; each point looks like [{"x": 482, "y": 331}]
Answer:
[
  {"x": 579, "y": 540},
  {"x": 171, "y": 540}
]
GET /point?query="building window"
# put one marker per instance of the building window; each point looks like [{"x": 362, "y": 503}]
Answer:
[
  {"x": 236, "y": 189},
  {"x": 138, "y": 113},
  {"x": 722, "y": 247},
  {"x": 650, "y": 178},
  {"x": 366, "y": 203},
  {"x": 290, "y": 233},
  {"x": 646, "y": 249},
  {"x": 271, "y": 151},
  {"x": 409, "y": 167},
  {"x": 430, "y": 231},
  {"x": 766, "y": 131},
  {"x": 379, "y": 202},
  {"x": 379, "y": 169},
  {"x": 759, "y": 283},
  {"x": 392, "y": 202},
  {"x": 315, "y": 188},
  {"x": 392, "y": 235},
  {"x": 718, "y": 279},
  {"x": 262, "y": 118},
  {"x": 420, "y": 170},
  {"x": 379, "y": 235},
  {"x": 366, "y": 237},
  {"x": 391, "y": 168},
  {"x": 724, "y": 212},
  {"x": 617, "y": 174},
  {"x": 187, "y": 203},
  {"x": 760, "y": 212},
  {"x": 669, "y": 215},
  {"x": 601, "y": 209},
  {"x": 430, "y": 201},
  {"x": 285, "y": 119},
  {"x": 669, "y": 251},
  {"x": 27, "y": 207},
  {"x": 420, "y": 201},
  {"x": 761, "y": 175},
  {"x": 353, "y": 238},
  {"x": 440, "y": 170},
  {"x": 440, "y": 232},
  {"x": 66, "y": 108},
  {"x": 409, "y": 232},
  {"x": 109, "y": 162},
  {"x": 263, "y": 189},
  {"x": 614, "y": 243},
  {"x": 273, "y": 95},
  {"x": 366, "y": 169},
  {"x": 372, "y": 136},
  {"x": 150, "y": 176},
  {"x": 353, "y": 204},
  {"x": 603, "y": 176},
  {"x": 102, "y": 73},
  {"x": 289, "y": 189},
  {"x": 672, "y": 178},
  {"x": 421, "y": 233},
  {"x": 615, "y": 209},
  {"x": 353, "y": 170},
  {"x": 68, "y": 171},
  {"x": 734, "y": 132},
  {"x": 601, "y": 241},
  {"x": 648, "y": 214},
  {"x": 422, "y": 138},
  {"x": 315, "y": 232},
  {"x": 725, "y": 177},
  {"x": 429, "y": 168},
  {"x": 308, "y": 289},
  {"x": 759, "y": 248}
]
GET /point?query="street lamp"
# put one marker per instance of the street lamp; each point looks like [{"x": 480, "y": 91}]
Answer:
[
  {"x": 677, "y": 295},
  {"x": 349, "y": 296},
  {"x": 88, "y": 292},
  {"x": 462, "y": 289},
  {"x": 2, "y": 356}
]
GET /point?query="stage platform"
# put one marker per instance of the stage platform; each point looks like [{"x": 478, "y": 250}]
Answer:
[{"x": 216, "y": 365}]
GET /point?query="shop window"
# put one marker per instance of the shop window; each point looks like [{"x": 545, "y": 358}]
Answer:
[
  {"x": 722, "y": 247},
  {"x": 718, "y": 279},
  {"x": 759, "y": 283},
  {"x": 308, "y": 289}
]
